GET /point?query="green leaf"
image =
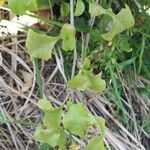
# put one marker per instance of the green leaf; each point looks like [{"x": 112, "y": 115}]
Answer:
[
  {"x": 64, "y": 9},
  {"x": 121, "y": 43},
  {"x": 40, "y": 45},
  {"x": 47, "y": 135},
  {"x": 76, "y": 119},
  {"x": 122, "y": 21},
  {"x": 52, "y": 118},
  {"x": 80, "y": 81},
  {"x": 97, "y": 83},
  {"x": 67, "y": 34},
  {"x": 42, "y": 146},
  {"x": 62, "y": 140},
  {"x": 95, "y": 35},
  {"x": 86, "y": 64},
  {"x": 81, "y": 25},
  {"x": 80, "y": 7},
  {"x": 44, "y": 104},
  {"x": 101, "y": 123},
  {"x": 97, "y": 10},
  {"x": 21, "y": 6},
  {"x": 96, "y": 143},
  {"x": 86, "y": 79}
]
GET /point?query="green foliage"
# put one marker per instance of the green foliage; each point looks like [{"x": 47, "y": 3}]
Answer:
[
  {"x": 67, "y": 34},
  {"x": 122, "y": 43},
  {"x": 57, "y": 124},
  {"x": 62, "y": 123},
  {"x": 21, "y": 6},
  {"x": 76, "y": 119},
  {"x": 86, "y": 79},
  {"x": 80, "y": 7},
  {"x": 40, "y": 45},
  {"x": 95, "y": 143},
  {"x": 122, "y": 21},
  {"x": 64, "y": 9}
]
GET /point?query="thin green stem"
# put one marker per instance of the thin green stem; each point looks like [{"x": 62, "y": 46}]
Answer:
[
  {"x": 38, "y": 78},
  {"x": 141, "y": 54}
]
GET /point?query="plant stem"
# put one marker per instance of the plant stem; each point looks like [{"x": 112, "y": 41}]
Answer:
[
  {"x": 38, "y": 78},
  {"x": 71, "y": 12},
  {"x": 75, "y": 50}
]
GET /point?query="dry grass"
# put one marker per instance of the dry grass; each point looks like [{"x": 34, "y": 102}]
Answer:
[{"x": 18, "y": 102}]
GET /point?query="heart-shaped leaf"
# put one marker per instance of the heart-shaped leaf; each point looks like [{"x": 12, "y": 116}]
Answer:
[
  {"x": 67, "y": 34},
  {"x": 40, "y": 45}
]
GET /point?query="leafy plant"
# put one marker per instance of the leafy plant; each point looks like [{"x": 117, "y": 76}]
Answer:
[
  {"x": 60, "y": 126},
  {"x": 85, "y": 78}
]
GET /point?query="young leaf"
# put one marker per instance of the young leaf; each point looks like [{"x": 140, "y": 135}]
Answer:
[
  {"x": 86, "y": 79},
  {"x": 76, "y": 119},
  {"x": 97, "y": 83},
  {"x": 80, "y": 81},
  {"x": 67, "y": 34},
  {"x": 96, "y": 143},
  {"x": 64, "y": 9},
  {"x": 21, "y": 6},
  {"x": 40, "y": 45},
  {"x": 80, "y": 7},
  {"x": 47, "y": 135},
  {"x": 44, "y": 104}
]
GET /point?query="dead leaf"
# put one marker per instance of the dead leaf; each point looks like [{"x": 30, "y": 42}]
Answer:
[{"x": 27, "y": 77}]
